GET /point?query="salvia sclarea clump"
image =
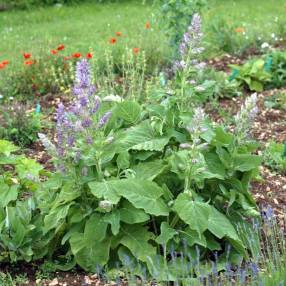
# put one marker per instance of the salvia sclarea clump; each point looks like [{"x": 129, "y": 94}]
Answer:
[
  {"x": 245, "y": 117},
  {"x": 79, "y": 122},
  {"x": 190, "y": 47}
]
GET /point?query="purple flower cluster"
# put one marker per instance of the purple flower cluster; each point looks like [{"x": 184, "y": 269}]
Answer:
[
  {"x": 79, "y": 121},
  {"x": 190, "y": 46}
]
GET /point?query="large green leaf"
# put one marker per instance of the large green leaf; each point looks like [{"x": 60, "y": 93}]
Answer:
[
  {"x": 131, "y": 215},
  {"x": 130, "y": 111},
  {"x": 195, "y": 214},
  {"x": 7, "y": 194},
  {"x": 149, "y": 170},
  {"x": 142, "y": 194},
  {"x": 246, "y": 162},
  {"x": 27, "y": 167},
  {"x": 192, "y": 237},
  {"x": 113, "y": 219},
  {"x": 167, "y": 233},
  {"x": 7, "y": 147},
  {"x": 56, "y": 216},
  {"x": 136, "y": 239},
  {"x": 140, "y": 137},
  {"x": 89, "y": 255},
  {"x": 219, "y": 225},
  {"x": 104, "y": 190},
  {"x": 95, "y": 228}
]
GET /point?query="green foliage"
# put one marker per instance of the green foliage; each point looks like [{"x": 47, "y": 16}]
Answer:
[
  {"x": 19, "y": 125},
  {"x": 176, "y": 16},
  {"x": 223, "y": 36},
  {"x": 263, "y": 73},
  {"x": 274, "y": 156},
  {"x": 142, "y": 191},
  {"x": 38, "y": 76},
  {"x": 276, "y": 101},
  {"x": 253, "y": 74},
  {"x": 20, "y": 224}
]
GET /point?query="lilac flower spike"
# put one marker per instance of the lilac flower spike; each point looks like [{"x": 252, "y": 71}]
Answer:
[
  {"x": 78, "y": 122},
  {"x": 104, "y": 119},
  {"x": 190, "y": 46}
]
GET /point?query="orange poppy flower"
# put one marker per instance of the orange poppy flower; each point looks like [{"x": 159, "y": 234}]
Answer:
[
  {"x": 89, "y": 55},
  {"x": 2, "y": 66},
  {"x": 67, "y": 58},
  {"x": 60, "y": 47},
  {"x": 5, "y": 62},
  {"x": 118, "y": 34},
  {"x": 27, "y": 55},
  {"x": 76, "y": 55},
  {"x": 147, "y": 25},
  {"x": 53, "y": 52},
  {"x": 239, "y": 30},
  {"x": 136, "y": 50},
  {"x": 112, "y": 41},
  {"x": 28, "y": 63}
]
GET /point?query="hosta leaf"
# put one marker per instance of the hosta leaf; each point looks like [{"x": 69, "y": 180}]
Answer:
[
  {"x": 167, "y": 233},
  {"x": 129, "y": 214},
  {"x": 129, "y": 111},
  {"x": 135, "y": 238},
  {"x": 195, "y": 214},
  {"x": 149, "y": 170},
  {"x": 104, "y": 190}
]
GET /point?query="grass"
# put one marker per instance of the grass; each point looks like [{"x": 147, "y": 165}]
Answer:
[
  {"x": 91, "y": 25},
  {"x": 80, "y": 28},
  {"x": 260, "y": 19}
]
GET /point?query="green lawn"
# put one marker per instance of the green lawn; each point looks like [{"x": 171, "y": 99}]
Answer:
[
  {"x": 91, "y": 26},
  {"x": 79, "y": 28}
]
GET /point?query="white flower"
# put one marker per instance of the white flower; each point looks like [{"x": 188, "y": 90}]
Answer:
[
  {"x": 1, "y": 96},
  {"x": 265, "y": 45},
  {"x": 273, "y": 35},
  {"x": 200, "y": 88},
  {"x": 112, "y": 98},
  {"x": 11, "y": 98}
]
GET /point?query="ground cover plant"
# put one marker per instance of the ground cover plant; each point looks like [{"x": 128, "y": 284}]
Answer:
[{"x": 153, "y": 165}]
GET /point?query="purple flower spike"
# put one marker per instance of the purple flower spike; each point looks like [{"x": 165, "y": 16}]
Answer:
[{"x": 104, "y": 119}]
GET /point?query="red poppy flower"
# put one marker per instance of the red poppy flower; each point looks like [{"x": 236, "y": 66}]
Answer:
[
  {"x": 112, "y": 41},
  {"x": 89, "y": 55},
  {"x": 76, "y": 55},
  {"x": 28, "y": 63},
  {"x": 2, "y": 66},
  {"x": 53, "y": 52},
  {"x": 5, "y": 62},
  {"x": 136, "y": 50},
  {"x": 26, "y": 55},
  {"x": 147, "y": 25},
  {"x": 118, "y": 34},
  {"x": 60, "y": 47}
]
